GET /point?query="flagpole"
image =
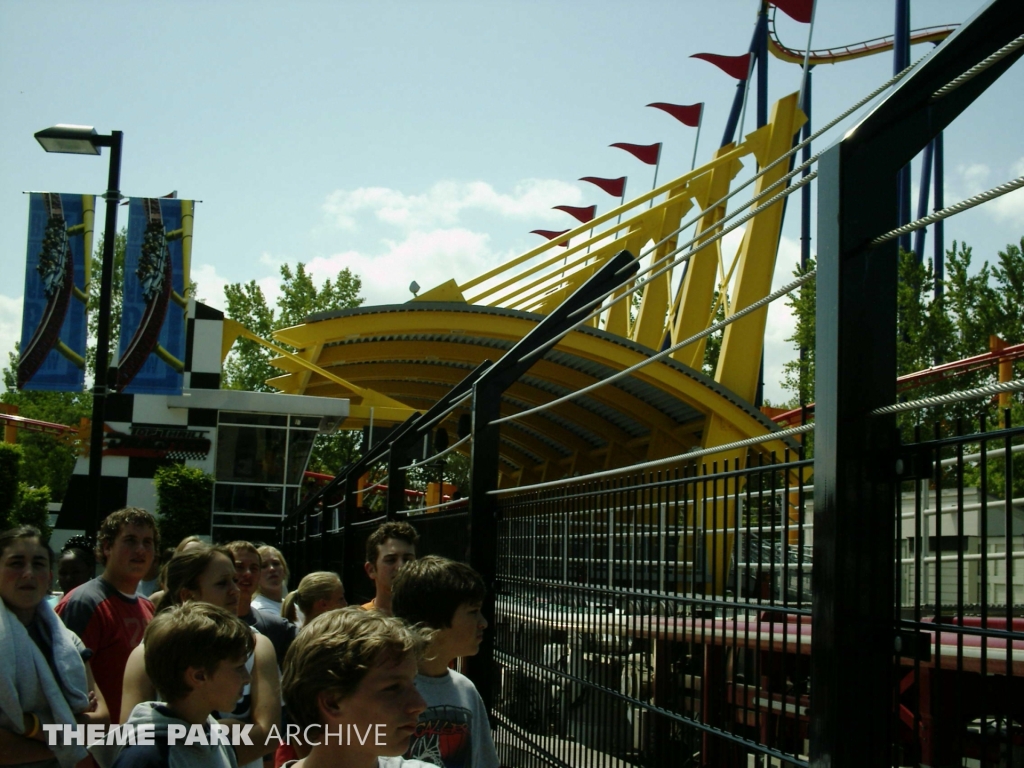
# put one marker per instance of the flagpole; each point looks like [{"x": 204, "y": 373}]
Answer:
[
  {"x": 622, "y": 201},
  {"x": 700, "y": 121},
  {"x": 807, "y": 56},
  {"x": 590, "y": 237},
  {"x": 657, "y": 165},
  {"x": 746, "y": 92}
]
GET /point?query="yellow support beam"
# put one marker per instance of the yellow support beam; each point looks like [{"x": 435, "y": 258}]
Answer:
[
  {"x": 698, "y": 286},
  {"x": 739, "y": 362}
]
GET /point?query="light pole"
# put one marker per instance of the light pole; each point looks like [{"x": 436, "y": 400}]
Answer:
[{"x": 83, "y": 140}]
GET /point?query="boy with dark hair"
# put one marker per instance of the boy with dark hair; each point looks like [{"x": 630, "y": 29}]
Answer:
[
  {"x": 196, "y": 657},
  {"x": 388, "y": 549},
  {"x": 349, "y": 685},
  {"x": 105, "y": 612},
  {"x": 446, "y": 596},
  {"x": 249, "y": 568}
]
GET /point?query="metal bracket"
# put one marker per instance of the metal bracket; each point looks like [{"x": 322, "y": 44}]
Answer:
[
  {"x": 914, "y": 463},
  {"x": 913, "y": 645}
]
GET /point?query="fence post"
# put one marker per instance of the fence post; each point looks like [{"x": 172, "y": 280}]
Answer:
[
  {"x": 854, "y": 497},
  {"x": 484, "y": 509},
  {"x": 397, "y": 458},
  {"x": 483, "y": 524},
  {"x": 856, "y": 475}
]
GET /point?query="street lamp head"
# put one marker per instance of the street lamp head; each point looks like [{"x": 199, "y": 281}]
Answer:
[{"x": 70, "y": 139}]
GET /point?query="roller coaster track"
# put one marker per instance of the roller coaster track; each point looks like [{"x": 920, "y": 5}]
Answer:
[{"x": 853, "y": 51}]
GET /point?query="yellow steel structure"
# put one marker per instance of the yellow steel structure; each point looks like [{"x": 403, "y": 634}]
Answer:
[
  {"x": 392, "y": 360},
  {"x": 401, "y": 357}
]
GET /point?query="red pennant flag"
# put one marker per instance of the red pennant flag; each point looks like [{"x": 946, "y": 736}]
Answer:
[
  {"x": 736, "y": 66},
  {"x": 614, "y": 187},
  {"x": 687, "y": 115},
  {"x": 797, "y": 10},
  {"x": 551, "y": 235},
  {"x": 583, "y": 215},
  {"x": 645, "y": 153}
]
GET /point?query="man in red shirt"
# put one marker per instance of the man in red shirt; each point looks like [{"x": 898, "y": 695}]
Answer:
[{"x": 105, "y": 612}]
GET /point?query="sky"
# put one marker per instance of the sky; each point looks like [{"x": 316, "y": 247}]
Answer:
[{"x": 423, "y": 139}]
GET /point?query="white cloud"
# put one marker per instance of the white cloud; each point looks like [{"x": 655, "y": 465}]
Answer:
[
  {"x": 210, "y": 285},
  {"x": 1010, "y": 207},
  {"x": 443, "y": 204},
  {"x": 429, "y": 258},
  {"x": 10, "y": 325},
  {"x": 973, "y": 178}
]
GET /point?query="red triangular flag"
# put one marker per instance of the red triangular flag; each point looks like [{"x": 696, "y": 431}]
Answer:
[
  {"x": 798, "y": 10},
  {"x": 614, "y": 187},
  {"x": 688, "y": 115},
  {"x": 736, "y": 66},
  {"x": 645, "y": 153},
  {"x": 551, "y": 235},
  {"x": 583, "y": 215}
]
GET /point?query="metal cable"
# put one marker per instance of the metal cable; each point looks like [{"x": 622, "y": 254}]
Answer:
[
  {"x": 689, "y": 456},
  {"x": 442, "y": 505},
  {"x": 664, "y": 353},
  {"x": 978, "y": 68},
  {"x": 687, "y": 256},
  {"x": 378, "y": 484},
  {"x": 945, "y": 213},
  {"x": 953, "y": 397},
  {"x": 445, "y": 413},
  {"x": 437, "y": 456}
]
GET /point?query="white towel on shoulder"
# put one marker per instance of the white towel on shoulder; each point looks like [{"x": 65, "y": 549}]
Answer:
[{"x": 27, "y": 683}]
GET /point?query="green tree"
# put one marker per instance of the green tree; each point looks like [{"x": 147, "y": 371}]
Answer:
[
  {"x": 248, "y": 366},
  {"x": 10, "y": 468},
  {"x": 713, "y": 343},
  {"x": 33, "y": 509},
  {"x": 184, "y": 498},
  {"x": 49, "y": 461},
  {"x": 798, "y": 375},
  {"x": 116, "y": 299}
]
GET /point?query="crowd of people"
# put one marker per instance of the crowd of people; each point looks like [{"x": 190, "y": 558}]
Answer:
[{"x": 211, "y": 643}]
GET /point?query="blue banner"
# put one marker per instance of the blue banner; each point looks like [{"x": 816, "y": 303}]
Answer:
[
  {"x": 53, "y": 323},
  {"x": 152, "y": 348}
]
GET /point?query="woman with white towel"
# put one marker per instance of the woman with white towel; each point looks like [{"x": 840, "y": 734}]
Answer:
[{"x": 45, "y": 676}]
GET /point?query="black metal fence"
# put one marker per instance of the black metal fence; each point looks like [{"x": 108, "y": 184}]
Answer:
[
  {"x": 960, "y": 596},
  {"x": 657, "y": 619}
]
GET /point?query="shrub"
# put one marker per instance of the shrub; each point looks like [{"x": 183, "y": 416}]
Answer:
[
  {"x": 34, "y": 509},
  {"x": 10, "y": 473},
  {"x": 184, "y": 499}
]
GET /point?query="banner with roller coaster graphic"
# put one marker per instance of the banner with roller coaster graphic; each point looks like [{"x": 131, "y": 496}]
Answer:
[
  {"x": 152, "y": 346},
  {"x": 53, "y": 325}
]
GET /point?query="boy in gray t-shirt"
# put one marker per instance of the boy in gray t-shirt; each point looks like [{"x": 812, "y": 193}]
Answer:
[{"x": 446, "y": 596}]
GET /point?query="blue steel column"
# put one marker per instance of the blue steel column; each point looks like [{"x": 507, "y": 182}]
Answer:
[
  {"x": 761, "y": 35},
  {"x": 938, "y": 234},
  {"x": 922, "y": 199}
]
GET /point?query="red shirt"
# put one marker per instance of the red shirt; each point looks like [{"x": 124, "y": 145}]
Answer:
[{"x": 110, "y": 625}]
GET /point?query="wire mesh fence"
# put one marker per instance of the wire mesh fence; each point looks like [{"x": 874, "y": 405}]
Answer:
[
  {"x": 960, "y": 599},
  {"x": 658, "y": 619}
]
